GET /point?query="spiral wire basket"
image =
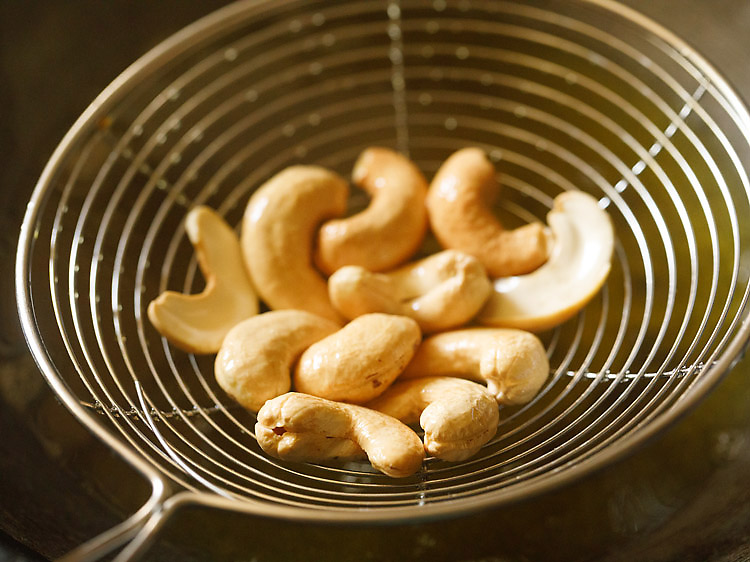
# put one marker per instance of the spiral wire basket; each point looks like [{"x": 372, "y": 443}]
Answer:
[{"x": 563, "y": 95}]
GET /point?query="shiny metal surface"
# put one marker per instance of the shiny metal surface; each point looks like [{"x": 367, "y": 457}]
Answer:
[{"x": 127, "y": 414}]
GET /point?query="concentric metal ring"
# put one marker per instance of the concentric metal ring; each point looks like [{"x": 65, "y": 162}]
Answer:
[{"x": 562, "y": 95}]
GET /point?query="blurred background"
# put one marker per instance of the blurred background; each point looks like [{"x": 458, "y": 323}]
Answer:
[{"x": 684, "y": 496}]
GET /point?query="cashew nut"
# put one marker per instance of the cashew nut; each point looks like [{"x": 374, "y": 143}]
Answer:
[
  {"x": 392, "y": 447},
  {"x": 459, "y": 208},
  {"x": 307, "y": 447},
  {"x": 361, "y": 360},
  {"x": 390, "y": 229},
  {"x": 198, "y": 323},
  {"x": 442, "y": 291},
  {"x": 513, "y": 363},
  {"x": 277, "y": 237},
  {"x": 458, "y": 416},
  {"x": 255, "y": 361},
  {"x": 577, "y": 268}
]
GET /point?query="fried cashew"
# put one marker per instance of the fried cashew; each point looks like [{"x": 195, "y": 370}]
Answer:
[
  {"x": 307, "y": 447},
  {"x": 459, "y": 204},
  {"x": 198, "y": 323},
  {"x": 392, "y": 447},
  {"x": 583, "y": 244},
  {"x": 513, "y": 363},
  {"x": 255, "y": 361},
  {"x": 440, "y": 292},
  {"x": 360, "y": 361},
  {"x": 390, "y": 229},
  {"x": 458, "y": 416},
  {"x": 278, "y": 231}
]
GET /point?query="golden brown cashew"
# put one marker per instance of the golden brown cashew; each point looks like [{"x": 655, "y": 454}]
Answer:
[
  {"x": 458, "y": 416},
  {"x": 459, "y": 207},
  {"x": 307, "y": 447},
  {"x": 198, "y": 323},
  {"x": 513, "y": 363},
  {"x": 358, "y": 362},
  {"x": 391, "y": 446},
  {"x": 278, "y": 230},
  {"x": 442, "y": 291},
  {"x": 583, "y": 243},
  {"x": 255, "y": 361},
  {"x": 390, "y": 229}
]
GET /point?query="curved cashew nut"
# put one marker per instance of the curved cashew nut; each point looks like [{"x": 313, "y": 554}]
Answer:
[
  {"x": 458, "y": 205},
  {"x": 255, "y": 361},
  {"x": 358, "y": 362},
  {"x": 390, "y": 229},
  {"x": 458, "y": 416},
  {"x": 442, "y": 291},
  {"x": 277, "y": 237},
  {"x": 198, "y": 323},
  {"x": 577, "y": 268},
  {"x": 306, "y": 447},
  {"x": 513, "y": 363},
  {"x": 392, "y": 447}
]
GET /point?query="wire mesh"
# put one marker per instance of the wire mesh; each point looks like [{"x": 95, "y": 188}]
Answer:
[{"x": 562, "y": 95}]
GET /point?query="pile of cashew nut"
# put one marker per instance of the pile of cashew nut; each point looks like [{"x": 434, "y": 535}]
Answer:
[{"x": 343, "y": 338}]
